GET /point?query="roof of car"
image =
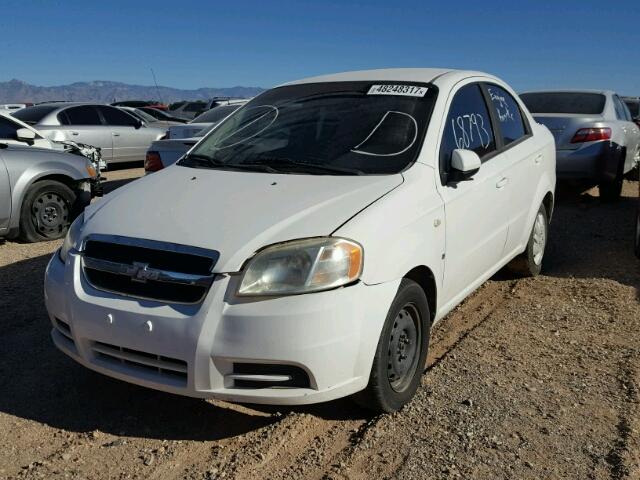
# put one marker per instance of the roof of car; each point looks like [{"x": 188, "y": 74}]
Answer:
[
  {"x": 572, "y": 90},
  {"x": 387, "y": 74}
]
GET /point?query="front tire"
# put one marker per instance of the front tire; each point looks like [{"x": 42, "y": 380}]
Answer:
[
  {"x": 529, "y": 263},
  {"x": 401, "y": 353},
  {"x": 46, "y": 211}
]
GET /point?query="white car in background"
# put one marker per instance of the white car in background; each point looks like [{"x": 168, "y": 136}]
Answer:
[
  {"x": 303, "y": 249},
  {"x": 120, "y": 136},
  {"x": 16, "y": 132},
  {"x": 11, "y": 107},
  {"x": 180, "y": 138}
]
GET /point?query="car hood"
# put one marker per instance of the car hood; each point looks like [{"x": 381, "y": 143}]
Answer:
[{"x": 234, "y": 213}]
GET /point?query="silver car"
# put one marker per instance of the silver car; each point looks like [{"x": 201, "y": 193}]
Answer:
[
  {"x": 41, "y": 191},
  {"x": 120, "y": 136},
  {"x": 596, "y": 139}
]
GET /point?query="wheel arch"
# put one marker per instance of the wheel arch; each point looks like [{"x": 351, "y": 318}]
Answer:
[
  {"x": 21, "y": 189},
  {"x": 424, "y": 277},
  {"x": 548, "y": 202}
]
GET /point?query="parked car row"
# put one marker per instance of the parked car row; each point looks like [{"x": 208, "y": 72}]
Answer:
[{"x": 595, "y": 134}]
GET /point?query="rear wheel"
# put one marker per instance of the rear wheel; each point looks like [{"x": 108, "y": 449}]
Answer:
[
  {"x": 46, "y": 211},
  {"x": 401, "y": 352},
  {"x": 529, "y": 263},
  {"x": 611, "y": 190}
]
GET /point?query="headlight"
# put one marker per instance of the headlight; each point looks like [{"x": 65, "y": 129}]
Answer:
[
  {"x": 302, "y": 266},
  {"x": 72, "y": 238}
]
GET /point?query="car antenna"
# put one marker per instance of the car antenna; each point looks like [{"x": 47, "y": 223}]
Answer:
[{"x": 156, "y": 82}]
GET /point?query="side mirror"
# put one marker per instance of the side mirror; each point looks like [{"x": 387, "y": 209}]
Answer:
[
  {"x": 138, "y": 124},
  {"x": 465, "y": 163},
  {"x": 25, "y": 135}
]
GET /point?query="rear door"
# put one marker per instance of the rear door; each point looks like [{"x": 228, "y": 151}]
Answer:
[
  {"x": 524, "y": 161},
  {"x": 5, "y": 197},
  {"x": 477, "y": 209},
  {"x": 83, "y": 124}
]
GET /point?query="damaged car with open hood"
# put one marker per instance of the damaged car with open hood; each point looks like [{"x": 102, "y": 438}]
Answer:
[{"x": 302, "y": 250}]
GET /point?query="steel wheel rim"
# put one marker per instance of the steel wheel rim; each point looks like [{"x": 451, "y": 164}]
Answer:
[
  {"x": 539, "y": 238},
  {"x": 404, "y": 347},
  {"x": 50, "y": 214}
]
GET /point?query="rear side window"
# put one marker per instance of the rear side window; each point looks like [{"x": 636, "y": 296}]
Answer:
[
  {"x": 634, "y": 107},
  {"x": 32, "y": 115},
  {"x": 468, "y": 126},
  {"x": 83, "y": 115},
  {"x": 564, "y": 102},
  {"x": 8, "y": 129},
  {"x": 116, "y": 117},
  {"x": 508, "y": 114}
]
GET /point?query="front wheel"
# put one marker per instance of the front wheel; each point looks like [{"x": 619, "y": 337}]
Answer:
[
  {"x": 401, "y": 352},
  {"x": 46, "y": 211}
]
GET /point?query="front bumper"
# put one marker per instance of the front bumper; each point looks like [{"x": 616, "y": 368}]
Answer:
[
  {"x": 597, "y": 161},
  {"x": 331, "y": 336}
]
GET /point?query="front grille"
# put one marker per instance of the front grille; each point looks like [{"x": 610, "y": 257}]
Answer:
[
  {"x": 266, "y": 375},
  {"x": 147, "y": 269},
  {"x": 165, "y": 369}
]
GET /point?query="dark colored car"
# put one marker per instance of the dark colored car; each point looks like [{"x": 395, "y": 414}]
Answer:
[
  {"x": 161, "y": 115},
  {"x": 140, "y": 103}
]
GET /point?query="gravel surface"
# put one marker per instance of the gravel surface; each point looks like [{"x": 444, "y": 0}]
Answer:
[{"x": 528, "y": 378}]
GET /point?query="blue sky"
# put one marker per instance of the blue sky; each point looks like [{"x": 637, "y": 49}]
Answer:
[{"x": 189, "y": 44}]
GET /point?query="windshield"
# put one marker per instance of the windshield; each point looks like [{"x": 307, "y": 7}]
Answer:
[
  {"x": 216, "y": 114},
  {"x": 337, "y": 128},
  {"x": 564, "y": 102},
  {"x": 143, "y": 115},
  {"x": 32, "y": 115}
]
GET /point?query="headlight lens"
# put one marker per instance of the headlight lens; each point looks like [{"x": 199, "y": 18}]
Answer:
[
  {"x": 72, "y": 238},
  {"x": 302, "y": 266}
]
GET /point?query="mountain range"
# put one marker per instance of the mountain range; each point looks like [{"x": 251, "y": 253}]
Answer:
[{"x": 17, "y": 91}]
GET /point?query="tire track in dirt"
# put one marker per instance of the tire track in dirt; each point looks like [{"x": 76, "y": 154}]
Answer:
[{"x": 622, "y": 465}]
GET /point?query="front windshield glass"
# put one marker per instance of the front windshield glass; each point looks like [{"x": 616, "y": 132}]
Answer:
[
  {"x": 144, "y": 116},
  {"x": 323, "y": 128}
]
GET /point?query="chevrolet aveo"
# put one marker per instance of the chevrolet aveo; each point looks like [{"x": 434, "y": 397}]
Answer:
[{"x": 302, "y": 250}]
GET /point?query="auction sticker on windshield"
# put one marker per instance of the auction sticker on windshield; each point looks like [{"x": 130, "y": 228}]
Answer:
[{"x": 404, "y": 90}]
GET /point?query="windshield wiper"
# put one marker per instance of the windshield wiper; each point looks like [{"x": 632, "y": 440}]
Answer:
[
  {"x": 199, "y": 160},
  {"x": 283, "y": 164}
]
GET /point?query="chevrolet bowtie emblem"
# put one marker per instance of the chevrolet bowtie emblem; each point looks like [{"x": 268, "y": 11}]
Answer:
[{"x": 140, "y": 272}]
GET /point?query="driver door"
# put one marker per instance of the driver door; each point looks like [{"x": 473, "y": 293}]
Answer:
[{"x": 477, "y": 208}]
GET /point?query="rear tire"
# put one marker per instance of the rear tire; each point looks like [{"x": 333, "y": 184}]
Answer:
[
  {"x": 529, "y": 263},
  {"x": 46, "y": 211},
  {"x": 610, "y": 191},
  {"x": 401, "y": 353}
]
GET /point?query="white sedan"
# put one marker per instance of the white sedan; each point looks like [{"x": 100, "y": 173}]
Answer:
[{"x": 303, "y": 249}]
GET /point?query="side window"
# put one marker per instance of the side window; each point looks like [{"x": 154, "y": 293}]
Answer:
[
  {"x": 617, "y": 103},
  {"x": 468, "y": 126},
  {"x": 116, "y": 117},
  {"x": 508, "y": 114},
  {"x": 8, "y": 129},
  {"x": 83, "y": 115}
]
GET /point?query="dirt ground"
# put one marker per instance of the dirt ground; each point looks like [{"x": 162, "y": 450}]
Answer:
[{"x": 527, "y": 379}]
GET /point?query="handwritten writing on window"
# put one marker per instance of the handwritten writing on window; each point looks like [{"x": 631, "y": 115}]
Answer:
[
  {"x": 502, "y": 107},
  {"x": 469, "y": 131}
]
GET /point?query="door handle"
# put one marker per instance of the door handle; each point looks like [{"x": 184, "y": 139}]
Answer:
[
  {"x": 115, "y": 134},
  {"x": 75, "y": 133},
  {"x": 502, "y": 182}
]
